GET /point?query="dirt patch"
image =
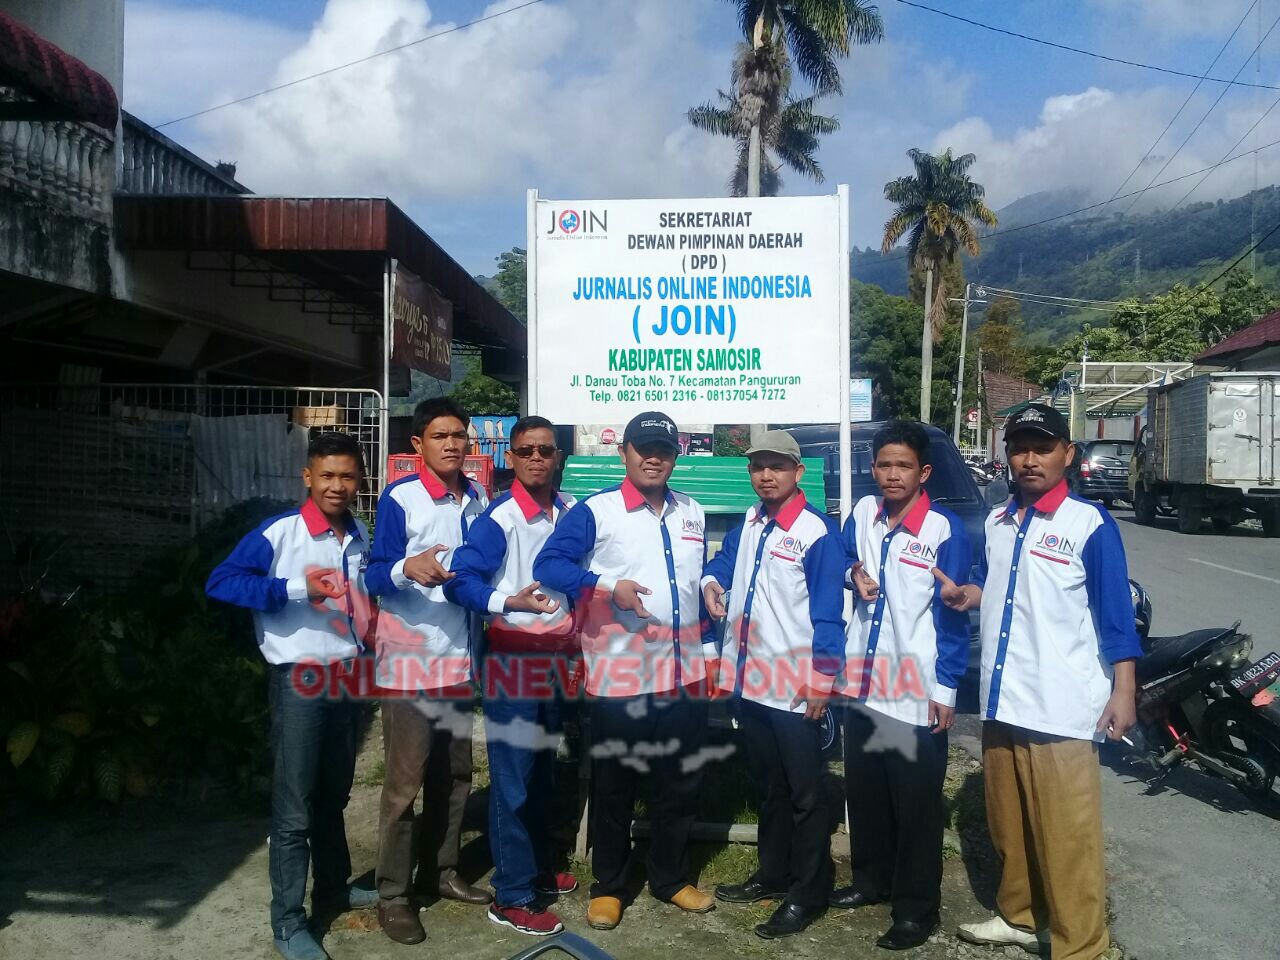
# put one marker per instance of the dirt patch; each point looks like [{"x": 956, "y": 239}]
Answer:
[{"x": 169, "y": 878}]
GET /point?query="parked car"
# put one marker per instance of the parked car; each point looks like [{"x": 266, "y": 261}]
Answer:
[{"x": 1100, "y": 470}]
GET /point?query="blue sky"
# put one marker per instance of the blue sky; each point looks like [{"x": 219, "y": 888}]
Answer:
[{"x": 585, "y": 98}]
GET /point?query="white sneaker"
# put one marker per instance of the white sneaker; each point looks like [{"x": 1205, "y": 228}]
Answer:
[{"x": 997, "y": 933}]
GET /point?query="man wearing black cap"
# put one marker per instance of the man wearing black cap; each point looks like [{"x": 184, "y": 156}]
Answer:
[
  {"x": 1058, "y": 651},
  {"x": 632, "y": 557}
]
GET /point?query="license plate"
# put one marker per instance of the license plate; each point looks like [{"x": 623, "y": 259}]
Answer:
[
  {"x": 1256, "y": 680},
  {"x": 1117, "y": 473}
]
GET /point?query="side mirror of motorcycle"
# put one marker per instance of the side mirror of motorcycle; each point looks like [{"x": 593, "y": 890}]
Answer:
[{"x": 996, "y": 493}]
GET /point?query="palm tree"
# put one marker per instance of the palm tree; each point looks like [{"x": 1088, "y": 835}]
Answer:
[
  {"x": 815, "y": 32},
  {"x": 789, "y": 128},
  {"x": 940, "y": 206}
]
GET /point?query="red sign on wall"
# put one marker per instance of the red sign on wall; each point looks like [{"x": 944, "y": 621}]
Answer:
[{"x": 421, "y": 325}]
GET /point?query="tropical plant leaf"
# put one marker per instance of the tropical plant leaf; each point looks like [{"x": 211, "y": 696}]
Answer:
[
  {"x": 108, "y": 775},
  {"x": 21, "y": 741},
  {"x": 58, "y": 768},
  {"x": 74, "y": 722}
]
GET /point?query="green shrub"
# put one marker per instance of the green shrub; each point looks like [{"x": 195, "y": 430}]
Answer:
[{"x": 107, "y": 696}]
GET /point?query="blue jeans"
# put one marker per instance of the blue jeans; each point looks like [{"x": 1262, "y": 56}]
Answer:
[
  {"x": 521, "y": 735},
  {"x": 313, "y": 751}
]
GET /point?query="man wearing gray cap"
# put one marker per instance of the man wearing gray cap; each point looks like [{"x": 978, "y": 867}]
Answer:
[{"x": 784, "y": 569}]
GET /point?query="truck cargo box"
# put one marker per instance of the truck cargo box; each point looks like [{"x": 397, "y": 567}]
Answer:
[{"x": 1217, "y": 429}]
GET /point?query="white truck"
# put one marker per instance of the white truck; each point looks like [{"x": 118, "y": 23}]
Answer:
[{"x": 1209, "y": 451}]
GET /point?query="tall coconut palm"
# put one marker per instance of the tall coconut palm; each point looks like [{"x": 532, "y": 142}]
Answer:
[
  {"x": 815, "y": 33},
  {"x": 789, "y": 130},
  {"x": 940, "y": 206}
]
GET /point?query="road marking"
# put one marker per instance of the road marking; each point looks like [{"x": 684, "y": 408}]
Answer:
[{"x": 1243, "y": 573}]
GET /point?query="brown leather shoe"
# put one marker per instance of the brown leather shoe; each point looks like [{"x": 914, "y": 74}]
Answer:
[
  {"x": 400, "y": 922},
  {"x": 692, "y": 900},
  {"x": 604, "y": 913},
  {"x": 453, "y": 887}
]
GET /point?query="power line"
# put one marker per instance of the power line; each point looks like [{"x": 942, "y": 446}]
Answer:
[
  {"x": 1169, "y": 125},
  {"x": 1086, "y": 53},
  {"x": 1212, "y": 107},
  {"x": 349, "y": 63},
  {"x": 1235, "y": 263},
  {"x": 1102, "y": 203},
  {"x": 1050, "y": 296}
]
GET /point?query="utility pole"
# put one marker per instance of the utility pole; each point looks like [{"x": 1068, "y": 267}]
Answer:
[
  {"x": 980, "y": 393},
  {"x": 964, "y": 336},
  {"x": 1019, "y": 270},
  {"x": 1137, "y": 267},
  {"x": 926, "y": 351}
]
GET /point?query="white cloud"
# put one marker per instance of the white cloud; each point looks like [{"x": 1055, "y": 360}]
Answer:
[
  {"x": 1093, "y": 139},
  {"x": 179, "y": 59},
  {"x": 1174, "y": 18},
  {"x": 588, "y": 97}
]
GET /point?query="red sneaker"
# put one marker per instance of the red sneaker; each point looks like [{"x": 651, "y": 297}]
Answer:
[
  {"x": 536, "y": 923},
  {"x": 555, "y": 884}
]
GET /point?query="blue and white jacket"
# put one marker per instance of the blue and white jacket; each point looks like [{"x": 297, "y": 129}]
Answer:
[
  {"x": 785, "y": 611},
  {"x": 266, "y": 573},
  {"x": 424, "y": 641},
  {"x": 1056, "y": 614},
  {"x": 615, "y": 535},
  {"x": 497, "y": 562},
  {"x": 907, "y": 647}
]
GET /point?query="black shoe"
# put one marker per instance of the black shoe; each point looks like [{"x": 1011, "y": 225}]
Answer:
[
  {"x": 848, "y": 898},
  {"x": 748, "y": 892},
  {"x": 905, "y": 934},
  {"x": 788, "y": 920}
]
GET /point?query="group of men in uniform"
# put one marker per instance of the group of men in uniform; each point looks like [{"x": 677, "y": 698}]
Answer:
[{"x": 623, "y": 579}]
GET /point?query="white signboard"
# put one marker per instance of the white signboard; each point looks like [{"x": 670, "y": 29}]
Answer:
[
  {"x": 712, "y": 311},
  {"x": 859, "y": 400}
]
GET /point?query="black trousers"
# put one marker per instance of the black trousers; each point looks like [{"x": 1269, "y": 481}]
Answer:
[
  {"x": 647, "y": 737},
  {"x": 785, "y": 759},
  {"x": 894, "y": 772}
]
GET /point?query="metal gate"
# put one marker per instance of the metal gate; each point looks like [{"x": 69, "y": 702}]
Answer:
[{"x": 104, "y": 475}]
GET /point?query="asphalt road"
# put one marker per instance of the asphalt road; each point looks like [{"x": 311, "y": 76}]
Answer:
[{"x": 1195, "y": 872}]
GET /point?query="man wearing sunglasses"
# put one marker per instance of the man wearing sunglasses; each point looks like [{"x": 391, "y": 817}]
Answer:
[
  {"x": 530, "y": 634},
  {"x": 632, "y": 555}
]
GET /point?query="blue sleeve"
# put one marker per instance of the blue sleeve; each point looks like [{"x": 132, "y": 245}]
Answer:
[
  {"x": 1106, "y": 581},
  {"x": 824, "y": 568},
  {"x": 390, "y": 546},
  {"x": 559, "y": 562},
  {"x": 706, "y": 625},
  {"x": 475, "y": 564},
  {"x": 951, "y": 627},
  {"x": 722, "y": 565},
  {"x": 979, "y": 576},
  {"x": 849, "y": 537},
  {"x": 243, "y": 578}
]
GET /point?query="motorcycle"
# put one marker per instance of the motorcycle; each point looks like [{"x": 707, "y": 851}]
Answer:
[
  {"x": 1201, "y": 701},
  {"x": 986, "y": 471}
]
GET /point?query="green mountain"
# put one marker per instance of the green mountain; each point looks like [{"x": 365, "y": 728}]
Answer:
[{"x": 1102, "y": 255}]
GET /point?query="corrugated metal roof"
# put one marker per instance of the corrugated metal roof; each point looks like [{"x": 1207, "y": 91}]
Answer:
[
  {"x": 1260, "y": 333},
  {"x": 267, "y": 225}
]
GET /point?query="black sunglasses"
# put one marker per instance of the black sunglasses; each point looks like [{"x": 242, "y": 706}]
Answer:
[{"x": 545, "y": 450}]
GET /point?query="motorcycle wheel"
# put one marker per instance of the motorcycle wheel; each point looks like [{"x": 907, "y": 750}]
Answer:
[{"x": 1233, "y": 730}]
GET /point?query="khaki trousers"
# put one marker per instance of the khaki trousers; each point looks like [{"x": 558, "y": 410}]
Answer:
[{"x": 1044, "y": 809}]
